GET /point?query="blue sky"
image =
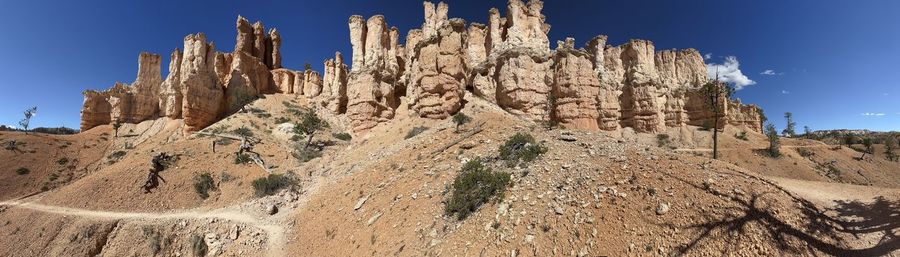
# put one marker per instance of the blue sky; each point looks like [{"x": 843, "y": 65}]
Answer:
[{"x": 834, "y": 64}]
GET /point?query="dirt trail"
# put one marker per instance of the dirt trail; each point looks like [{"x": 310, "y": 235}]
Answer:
[
  {"x": 730, "y": 149},
  {"x": 274, "y": 232}
]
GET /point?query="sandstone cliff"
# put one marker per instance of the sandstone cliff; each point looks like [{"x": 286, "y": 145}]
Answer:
[{"x": 508, "y": 62}]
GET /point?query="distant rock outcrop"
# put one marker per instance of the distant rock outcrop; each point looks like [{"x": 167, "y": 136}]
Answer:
[{"x": 508, "y": 61}]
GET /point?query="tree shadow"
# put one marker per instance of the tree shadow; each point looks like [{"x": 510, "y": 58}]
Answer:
[{"x": 820, "y": 231}]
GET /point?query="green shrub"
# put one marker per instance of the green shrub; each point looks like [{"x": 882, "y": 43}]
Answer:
[
  {"x": 23, "y": 171},
  {"x": 415, "y": 132},
  {"x": 225, "y": 177},
  {"x": 62, "y": 161},
  {"x": 342, "y": 136},
  {"x": 271, "y": 184},
  {"x": 741, "y": 136},
  {"x": 241, "y": 158},
  {"x": 474, "y": 186},
  {"x": 203, "y": 183},
  {"x": 521, "y": 147},
  {"x": 459, "y": 119},
  {"x": 116, "y": 156},
  {"x": 662, "y": 140},
  {"x": 198, "y": 246}
]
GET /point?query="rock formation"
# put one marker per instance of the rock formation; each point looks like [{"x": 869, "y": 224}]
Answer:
[{"x": 508, "y": 62}]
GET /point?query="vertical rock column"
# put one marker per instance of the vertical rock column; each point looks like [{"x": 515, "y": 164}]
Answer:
[
  {"x": 575, "y": 88},
  {"x": 371, "y": 90},
  {"x": 438, "y": 71},
  {"x": 203, "y": 96}
]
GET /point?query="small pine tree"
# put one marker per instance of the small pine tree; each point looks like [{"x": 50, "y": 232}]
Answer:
[
  {"x": 789, "y": 127},
  {"x": 889, "y": 145},
  {"x": 116, "y": 125},
  {"x": 459, "y": 119},
  {"x": 30, "y": 112},
  {"x": 867, "y": 142},
  {"x": 849, "y": 140},
  {"x": 762, "y": 119},
  {"x": 307, "y": 67},
  {"x": 309, "y": 124},
  {"x": 807, "y": 132},
  {"x": 774, "y": 141},
  {"x": 716, "y": 95}
]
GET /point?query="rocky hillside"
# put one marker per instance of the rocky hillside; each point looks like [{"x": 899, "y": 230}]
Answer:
[{"x": 507, "y": 62}]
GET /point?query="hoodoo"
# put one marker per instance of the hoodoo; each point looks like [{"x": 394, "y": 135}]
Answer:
[{"x": 508, "y": 62}]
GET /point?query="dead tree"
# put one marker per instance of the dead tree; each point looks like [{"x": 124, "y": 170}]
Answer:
[{"x": 157, "y": 164}]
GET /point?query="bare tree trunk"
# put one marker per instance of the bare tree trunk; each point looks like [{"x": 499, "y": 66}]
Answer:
[
  {"x": 309, "y": 139},
  {"x": 716, "y": 138}
]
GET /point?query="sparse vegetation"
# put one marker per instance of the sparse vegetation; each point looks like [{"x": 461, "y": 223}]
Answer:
[
  {"x": 521, "y": 147},
  {"x": 203, "y": 183},
  {"x": 459, "y": 119},
  {"x": 415, "y": 132},
  {"x": 62, "y": 161},
  {"x": 309, "y": 124},
  {"x": 23, "y": 171},
  {"x": 198, "y": 246},
  {"x": 271, "y": 184},
  {"x": 342, "y": 136},
  {"x": 849, "y": 140},
  {"x": 868, "y": 144},
  {"x": 774, "y": 149},
  {"x": 474, "y": 186},
  {"x": 741, "y": 136},
  {"x": 662, "y": 140}
]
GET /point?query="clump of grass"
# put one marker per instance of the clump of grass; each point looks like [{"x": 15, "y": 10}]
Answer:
[
  {"x": 23, "y": 171},
  {"x": 474, "y": 186},
  {"x": 662, "y": 140},
  {"x": 521, "y": 147},
  {"x": 203, "y": 183},
  {"x": 415, "y": 131},
  {"x": 342, "y": 136},
  {"x": 271, "y": 184}
]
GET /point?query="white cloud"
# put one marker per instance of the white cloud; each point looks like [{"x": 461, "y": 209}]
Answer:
[
  {"x": 729, "y": 72},
  {"x": 785, "y": 92},
  {"x": 877, "y": 114},
  {"x": 771, "y": 73},
  {"x": 707, "y": 56}
]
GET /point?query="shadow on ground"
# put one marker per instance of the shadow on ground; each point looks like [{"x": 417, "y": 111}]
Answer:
[{"x": 816, "y": 231}]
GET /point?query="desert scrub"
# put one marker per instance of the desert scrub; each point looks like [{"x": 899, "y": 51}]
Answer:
[
  {"x": 473, "y": 186},
  {"x": 459, "y": 119},
  {"x": 116, "y": 156},
  {"x": 280, "y": 120},
  {"x": 662, "y": 140},
  {"x": 415, "y": 131},
  {"x": 271, "y": 184},
  {"x": 342, "y": 136},
  {"x": 62, "y": 161},
  {"x": 521, "y": 147},
  {"x": 203, "y": 183},
  {"x": 23, "y": 171}
]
